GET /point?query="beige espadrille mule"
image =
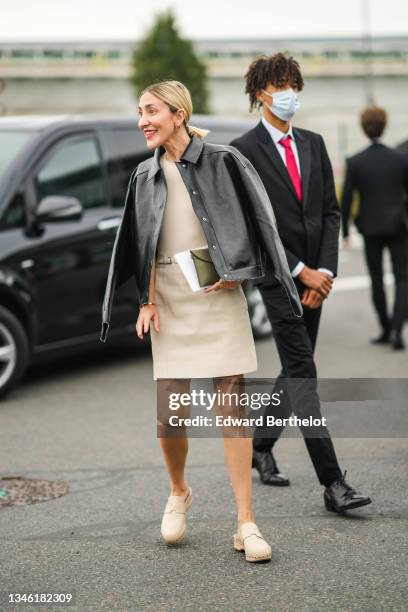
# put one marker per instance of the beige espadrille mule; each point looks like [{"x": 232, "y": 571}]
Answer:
[
  {"x": 249, "y": 539},
  {"x": 173, "y": 526}
]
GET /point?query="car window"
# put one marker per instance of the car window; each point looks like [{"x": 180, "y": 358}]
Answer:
[
  {"x": 73, "y": 169},
  {"x": 11, "y": 144},
  {"x": 15, "y": 215},
  {"x": 126, "y": 149}
]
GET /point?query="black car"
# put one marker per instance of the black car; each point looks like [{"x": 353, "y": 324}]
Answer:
[{"x": 62, "y": 187}]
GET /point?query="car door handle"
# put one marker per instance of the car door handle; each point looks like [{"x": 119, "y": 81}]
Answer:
[
  {"x": 27, "y": 263},
  {"x": 106, "y": 224}
]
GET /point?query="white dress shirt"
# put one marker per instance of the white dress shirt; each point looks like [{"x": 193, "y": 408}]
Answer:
[{"x": 276, "y": 136}]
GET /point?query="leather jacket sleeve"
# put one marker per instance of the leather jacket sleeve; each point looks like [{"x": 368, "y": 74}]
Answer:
[
  {"x": 265, "y": 226},
  {"x": 120, "y": 268}
]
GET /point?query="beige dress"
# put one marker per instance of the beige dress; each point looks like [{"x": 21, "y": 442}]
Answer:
[{"x": 201, "y": 335}]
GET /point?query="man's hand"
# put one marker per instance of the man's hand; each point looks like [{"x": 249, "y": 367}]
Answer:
[
  {"x": 312, "y": 298},
  {"x": 319, "y": 281}
]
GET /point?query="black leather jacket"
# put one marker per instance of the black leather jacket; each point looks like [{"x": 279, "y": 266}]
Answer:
[{"x": 234, "y": 210}]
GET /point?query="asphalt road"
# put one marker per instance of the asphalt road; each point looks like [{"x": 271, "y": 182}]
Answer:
[{"x": 92, "y": 422}]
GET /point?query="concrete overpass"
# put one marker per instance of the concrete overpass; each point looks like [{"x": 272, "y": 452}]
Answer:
[{"x": 227, "y": 58}]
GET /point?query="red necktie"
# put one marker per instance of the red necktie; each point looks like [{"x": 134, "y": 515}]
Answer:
[{"x": 291, "y": 166}]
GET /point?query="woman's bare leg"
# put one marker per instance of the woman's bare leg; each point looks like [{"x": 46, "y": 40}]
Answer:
[
  {"x": 237, "y": 453},
  {"x": 174, "y": 449}
]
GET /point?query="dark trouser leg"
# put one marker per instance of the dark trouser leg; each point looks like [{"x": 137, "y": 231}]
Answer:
[
  {"x": 374, "y": 246},
  {"x": 311, "y": 319},
  {"x": 295, "y": 348},
  {"x": 312, "y": 322},
  {"x": 398, "y": 246}
]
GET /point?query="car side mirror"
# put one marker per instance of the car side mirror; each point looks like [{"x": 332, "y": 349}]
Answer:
[{"x": 57, "y": 209}]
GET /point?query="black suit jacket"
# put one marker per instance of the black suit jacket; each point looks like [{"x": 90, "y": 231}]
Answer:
[
  {"x": 403, "y": 147},
  {"x": 380, "y": 176},
  {"x": 309, "y": 230}
]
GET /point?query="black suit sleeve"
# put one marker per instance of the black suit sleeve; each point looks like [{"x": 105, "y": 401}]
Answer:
[
  {"x": 329, "y": 244},
  {"x": 347, "y": 198},
  {"x": 293, "y": 260},
  {"x": 253, "y": 195},
  {"x": 406, "y": 180}
]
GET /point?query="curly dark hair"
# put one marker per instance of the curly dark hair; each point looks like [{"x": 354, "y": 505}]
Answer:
[
  {"x": 278, "y": 69},
  {"x": 373, "y": 121}
]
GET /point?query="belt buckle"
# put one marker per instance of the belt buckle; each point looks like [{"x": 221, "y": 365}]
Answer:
[{"x": 164, "y": 259}]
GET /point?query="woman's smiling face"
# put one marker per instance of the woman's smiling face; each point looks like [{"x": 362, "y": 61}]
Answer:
[{"x": 156, "y": 120}]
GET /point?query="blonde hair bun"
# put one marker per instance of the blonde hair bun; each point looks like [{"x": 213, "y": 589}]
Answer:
[{"x": 200, "y": 132}]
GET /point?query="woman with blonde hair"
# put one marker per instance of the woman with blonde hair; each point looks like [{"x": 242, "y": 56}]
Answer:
[{"x": 192, "y": 194}]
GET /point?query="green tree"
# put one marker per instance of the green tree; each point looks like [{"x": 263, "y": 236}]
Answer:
[{"x": 163, "y": 54}]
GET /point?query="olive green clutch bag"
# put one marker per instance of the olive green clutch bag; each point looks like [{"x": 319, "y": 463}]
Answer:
[{"x": 206, "y": 272}]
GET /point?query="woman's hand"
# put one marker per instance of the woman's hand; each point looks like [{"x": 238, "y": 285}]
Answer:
[
  {"x": 147, "y": 313},
  {"x": 222, "y": 284}
]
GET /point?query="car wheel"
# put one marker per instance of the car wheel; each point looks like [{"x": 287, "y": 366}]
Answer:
[
  {"x": 14, "y": 351},
  {"x": 261, "y": 326}
]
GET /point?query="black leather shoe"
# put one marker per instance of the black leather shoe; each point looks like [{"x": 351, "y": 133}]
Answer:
[
  {"x": 340, "y": 496},
  {"x": 397, "y": 343},
  {"x": 268, "y": 470},
  {"x": 383, "y": 338}
]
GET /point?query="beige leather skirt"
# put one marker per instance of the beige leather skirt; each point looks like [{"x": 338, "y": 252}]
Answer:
[{"x": 201, "y": 334}]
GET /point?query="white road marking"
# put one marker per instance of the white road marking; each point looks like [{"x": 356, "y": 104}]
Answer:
[{"x": 352, "y": 283}]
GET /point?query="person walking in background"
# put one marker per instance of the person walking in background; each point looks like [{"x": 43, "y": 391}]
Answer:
[
  {"x": 403, "y": 149},
  {"x": 379, "y": 175},
  {"x": 190, "y": 194},
  {"x": 295, "y": 169}
]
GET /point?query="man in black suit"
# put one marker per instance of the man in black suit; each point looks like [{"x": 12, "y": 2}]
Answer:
[
  {"x": 403, "y": 147},
  {"x": 295, "y": 169},
  {"x": 380, "y": 176}
]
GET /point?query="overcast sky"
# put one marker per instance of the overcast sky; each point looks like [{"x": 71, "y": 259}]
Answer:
[{"x": 40, "y": 20}]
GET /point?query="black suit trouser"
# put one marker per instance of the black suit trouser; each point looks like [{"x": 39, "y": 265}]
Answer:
[
  {"x": 398, "y": 247},
  {"x": 295, "y": 341}
]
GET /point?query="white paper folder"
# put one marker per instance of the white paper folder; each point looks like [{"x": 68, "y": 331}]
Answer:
[{"x": 186, "y": 263}]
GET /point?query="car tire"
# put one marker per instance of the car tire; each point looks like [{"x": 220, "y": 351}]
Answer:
[{"x": 14, "y": 351}]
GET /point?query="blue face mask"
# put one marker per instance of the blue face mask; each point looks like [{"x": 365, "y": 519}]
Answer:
[{"x": 284, "y": 103}]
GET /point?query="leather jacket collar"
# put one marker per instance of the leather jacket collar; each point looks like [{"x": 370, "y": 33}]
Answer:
[{"x": 191, "y": 154}]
